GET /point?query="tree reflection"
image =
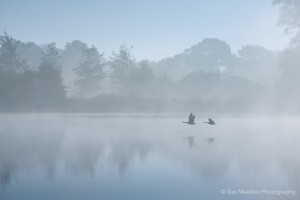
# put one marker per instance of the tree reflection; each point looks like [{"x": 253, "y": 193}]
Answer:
[
  {"x": 81, "y": 154},
  {"x": 125, "y": 150}
]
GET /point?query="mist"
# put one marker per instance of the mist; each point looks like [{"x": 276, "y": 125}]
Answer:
[
  {"x": 205, "y": 78},
  {"x": 149, "y": 100}
]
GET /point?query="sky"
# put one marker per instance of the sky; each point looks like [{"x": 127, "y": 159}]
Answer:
[{"x": 155, "y": 28}]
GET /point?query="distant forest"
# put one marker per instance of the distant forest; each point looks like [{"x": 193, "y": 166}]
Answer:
[{"x": 207, "y": 77}]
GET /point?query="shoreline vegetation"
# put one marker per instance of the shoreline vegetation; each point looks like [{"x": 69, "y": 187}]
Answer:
[
  {"x": 211, "y": 79},
  {"x": 204, "y": 78}
]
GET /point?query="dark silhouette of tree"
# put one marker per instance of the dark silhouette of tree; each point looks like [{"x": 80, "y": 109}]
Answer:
[
  {"x": 206, "y": 80},
  {"x": 11, "y": 66},
  {"x": 130, "y": 76},
  {"x": 90, "y": 72},
  {"x": 71, "y": 57},
  {"x": 122, "y": 65},
  {"x": 9, "y": 58},
  {"x": 51, "y": 91},
  {"x": 30, "y": 52}
]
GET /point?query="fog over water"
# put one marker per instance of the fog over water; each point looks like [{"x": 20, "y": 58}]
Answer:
[
  {"x": 149, "y": 100},
  {"x": 134, "y": 156}
]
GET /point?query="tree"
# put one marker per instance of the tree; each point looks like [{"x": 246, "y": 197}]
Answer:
[
  {"x": 290, "y": 18},
  {"x": 10, "y": 67},
  {"x": 141, "y": 79},
  {"x": 257, "y": 64},
  {"x": 30, "y": 52},
  {"x": 289, "y": 14},
  {"x": 73, "y": 54},
  {"x": 71, "y": 57},
  {"x": 130, "y": 76},
  {"x": 286, "y": 87},
  {"x": 9, "y": 58},
  {"x": 51, "y": 91},
  {"x": 122, "y": 65},
  {"x": 90, "y": 72},
  {"x": 209, "y": 55},
  {"x": 199, "y": 81},
  {"x": 142, "y": 73},
  {"x": 289, "y": 81}
]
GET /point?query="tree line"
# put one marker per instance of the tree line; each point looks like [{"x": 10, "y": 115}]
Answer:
[{"x": 207, "y": 77}]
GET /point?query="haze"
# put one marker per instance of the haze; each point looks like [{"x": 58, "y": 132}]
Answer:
[
  {"x": 157, "y": 100},
  {"x": 156, "y": 29}
]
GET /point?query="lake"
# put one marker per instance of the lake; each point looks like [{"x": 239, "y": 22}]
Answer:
[{"x": 148, "y": 156}]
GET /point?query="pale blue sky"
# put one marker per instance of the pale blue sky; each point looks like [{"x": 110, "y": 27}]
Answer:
[{"x": 156, "y": 28}]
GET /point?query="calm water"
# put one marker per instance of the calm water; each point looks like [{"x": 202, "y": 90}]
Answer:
[{"x": 137, "y": 156}]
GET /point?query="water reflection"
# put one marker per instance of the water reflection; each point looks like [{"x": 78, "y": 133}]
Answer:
[
  {"x": 210, "y": 140},
  {"x": 125, "y": 150},
  {"x": 289, "y": 161},
  {"x": 190, "y": 140},
  {"x": 25, "y": 145},
  {"x": 7, "y": 172},
  {"x": 81, "y": 153},
  {"x": 209, "y": 161},
  {"x": 100, "y": 148}
]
